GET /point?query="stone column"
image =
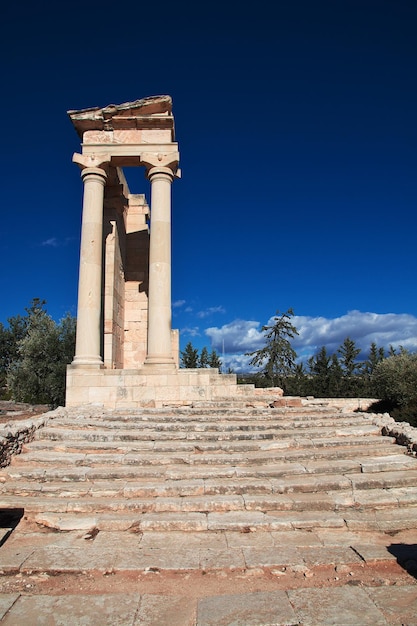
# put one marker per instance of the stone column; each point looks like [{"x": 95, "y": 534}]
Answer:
[
  {"x": 159, "y": 351},
  {"x": 87, "y": 348}
]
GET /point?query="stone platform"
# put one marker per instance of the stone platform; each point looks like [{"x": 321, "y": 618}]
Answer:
[{"x": 220, "y": 513}]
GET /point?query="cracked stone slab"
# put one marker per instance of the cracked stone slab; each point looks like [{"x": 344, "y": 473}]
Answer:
[
  {"x": 399, "y": 605},
  {"x": 158, "y": 609},
  {"x": 66, "y": 522},
  {"x": 61, "y": 559},
  {"x": 341, "y": 606},
  {"x": 253, "y": 609},
  {"x": 222, "y": 559},
  {"x": 175, "y": 540},
  {"x": 276, "y": 556},
  {"x": 7, "y": 600},
  {"x": 373, "y": 552},
  {"x": 114, "y": 610},
  {"x": 334, "y": 555}
]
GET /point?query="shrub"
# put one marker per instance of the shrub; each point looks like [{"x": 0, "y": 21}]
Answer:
[{"x": 395, "y": 379}]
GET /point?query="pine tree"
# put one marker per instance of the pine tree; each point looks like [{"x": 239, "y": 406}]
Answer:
[
  {"x": 189, "y": 356},
  {"x": 277, "y": 357},
  {"x": 203, "y": 360},
  {"x": 319, "y": 367},
  {"x": 214, "y": 360},
  {"x": 348, "y": 352}
]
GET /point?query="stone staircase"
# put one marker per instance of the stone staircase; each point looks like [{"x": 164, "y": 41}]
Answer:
[{"x": 218, "y": 466}]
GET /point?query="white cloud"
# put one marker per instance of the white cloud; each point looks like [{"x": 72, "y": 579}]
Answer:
[
  {"x": 178, "y": 303},
  {"x": 52, "y": 241},
  {"x": 384, "y": 329},
  {"x": 238, "y": 336},
  {"x": 191, "y": 331},
  {"x": 232, "y": 340},
  {"x": 210, "y": 311}
]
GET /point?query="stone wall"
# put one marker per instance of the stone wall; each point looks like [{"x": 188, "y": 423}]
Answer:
[{"x": 15, "y": 434}]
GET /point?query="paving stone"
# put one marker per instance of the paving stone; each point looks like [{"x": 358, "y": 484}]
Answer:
[
  {"x": 271, "y": 502},
  {"x": 274, "y": 556},
  {"x": 398, "y": 603},
  {"x": 13, "y": 557},
  {"x": 237, "y": 521},
  {"x": 158, "y": 609},
  {"x": 345, "y": 537},
  {"x": 342, "y": 606},
  {"x": 7, "y": 600},
  {"x": 67, "y": 522},
  {"x": 325, "y": 555},
  {"x": 305, "y": 520},
  {"x": 251, "y": 539},
  {"x": 174, "y": 540},
  {"x": 62, "y": 559},
  {"x": 252, "y": 609},
  {"x": 296, "y": 538},
  {"x": 174, "y": 521},
  {"x": 91, "y": 610},
  {"x": 372, "y": 552},
  {"x": 222, "y": 559},
  {"x": 115, "y": 541}
]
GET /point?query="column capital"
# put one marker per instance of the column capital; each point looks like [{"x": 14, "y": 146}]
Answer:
[
  {"x": 91, "y": 161},
  {"x": 166, "y": 162}
]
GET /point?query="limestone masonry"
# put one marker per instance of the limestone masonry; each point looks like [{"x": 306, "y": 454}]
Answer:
[{"x": 126, "y": 353}]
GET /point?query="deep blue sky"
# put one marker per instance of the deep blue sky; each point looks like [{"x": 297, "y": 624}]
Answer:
[{"x": 296, "y": 122}]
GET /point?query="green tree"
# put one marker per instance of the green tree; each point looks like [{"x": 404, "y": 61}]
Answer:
[
  {"x": 10, "y": 338},
  {"x": 375, "y": 356},
  {"x": 395, "y": 379},
  {"x": 214, "y": 360},
  {"x": 319, "y": 367},
  {"x": 203, "y": 360},
  {"x": 38, "y": 375},
  {"x": 277, "y": 358},
  {"x": 335, "y": 377},
  {"x": 348, "y": 353},
  {"x": 189, "y": 356}
]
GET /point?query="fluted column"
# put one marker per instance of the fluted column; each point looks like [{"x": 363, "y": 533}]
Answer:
[
  {"x": 87, "y": 348},
  {"x": 159, "y": 351}
]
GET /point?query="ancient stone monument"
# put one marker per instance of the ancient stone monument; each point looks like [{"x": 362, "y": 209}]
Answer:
[{"x": 126, "y": 352}]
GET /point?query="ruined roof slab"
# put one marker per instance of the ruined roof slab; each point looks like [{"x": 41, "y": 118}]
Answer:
[{"x": 154, "y": 112}]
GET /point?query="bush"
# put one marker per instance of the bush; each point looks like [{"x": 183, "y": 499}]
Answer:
[
  {"x": 37, "y": 376},
  {"x": 395, "y": 379}
]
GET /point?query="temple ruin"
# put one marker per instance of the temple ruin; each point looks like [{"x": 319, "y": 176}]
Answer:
[{"x": 126, "y": 353}]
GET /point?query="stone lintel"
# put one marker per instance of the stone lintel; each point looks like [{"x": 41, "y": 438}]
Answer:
[
  {"x": 127, "y": 155},
  {"x": 153, "y": 111}
]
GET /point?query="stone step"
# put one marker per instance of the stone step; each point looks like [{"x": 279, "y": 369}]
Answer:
[
  {"x": 162, "y": 432},
  {"x": 183, "y": 440},
  {"x": 330, "y": 502},
  {"x": 49, "y": 474},
  {"x": 232, "y": 521},
  {"x": 266, "y": 453},
  {"x": 131, "y": 488},
  {"x": 301, "y": 462},
  {"x": 209, "y": 421}
]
